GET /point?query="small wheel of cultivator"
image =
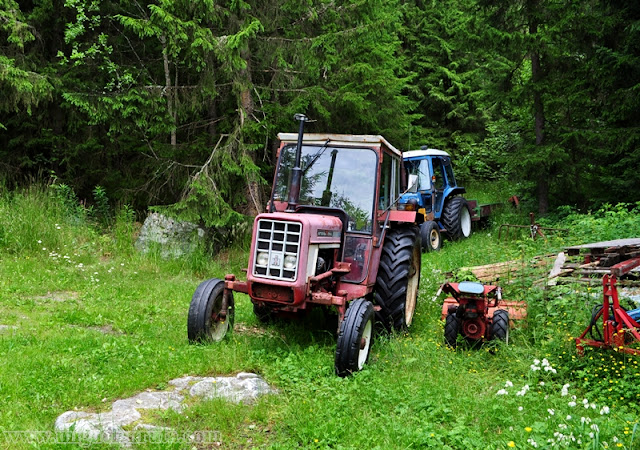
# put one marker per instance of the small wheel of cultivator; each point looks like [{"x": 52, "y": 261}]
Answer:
[
  {"x": 500, "y": 326},
  {"x": 451, "y": 330},
  {"x": 207, "y": 321},
  {"x": 355, "y": 337}
]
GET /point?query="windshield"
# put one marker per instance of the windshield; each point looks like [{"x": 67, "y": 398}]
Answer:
[
  {"x": 420, "y": 167},
  {"x": 335, "y": 177}
]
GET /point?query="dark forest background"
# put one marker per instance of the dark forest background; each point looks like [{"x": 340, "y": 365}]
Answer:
[{"x": 178, "y": 103}]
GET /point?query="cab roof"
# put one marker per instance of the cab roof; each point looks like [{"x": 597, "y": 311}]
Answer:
[
  {"x": 427, "y": 152},
  {"x": 345, "y": 140}
]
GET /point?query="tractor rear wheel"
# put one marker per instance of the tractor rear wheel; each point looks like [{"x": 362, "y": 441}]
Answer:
[
  {"x": 398, "y": 279},
  {"x": 431, "y": 239},
  {"x": 500, "y": 325},
  {"x": 205, "y": 323},
  {"x": 456, "y": 218},
  {"x": 355, "y": 337},
  {"x": 451, "y": 330}
]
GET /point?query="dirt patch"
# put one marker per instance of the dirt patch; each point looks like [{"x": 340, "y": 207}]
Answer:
[{"x": 243, "y": 328}]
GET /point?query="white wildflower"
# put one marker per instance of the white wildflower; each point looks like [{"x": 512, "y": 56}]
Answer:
[
  {"x": 565, "y": 390},
  {"x": 502, "y": 392},
  {"x": 508, "y": 384},
  {"x": 551, "y": 411},
  {"x": 572, "y": 404}
]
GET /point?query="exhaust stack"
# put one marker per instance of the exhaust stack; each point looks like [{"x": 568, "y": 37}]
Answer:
[{"x": 296, "y": 171}]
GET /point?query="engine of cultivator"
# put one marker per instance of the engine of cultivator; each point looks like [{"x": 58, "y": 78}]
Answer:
[
  {"x": 478, "y": 313},
  {"x": 332, "y": 237}
]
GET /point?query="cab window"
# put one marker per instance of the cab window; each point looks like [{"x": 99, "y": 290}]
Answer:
[{"x": 389, "y": 179}]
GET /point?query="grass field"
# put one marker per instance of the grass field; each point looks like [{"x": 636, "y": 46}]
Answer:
[{"x": 88, "y": 320}]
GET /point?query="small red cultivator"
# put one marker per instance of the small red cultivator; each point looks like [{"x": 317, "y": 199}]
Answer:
[
  {"x": 620, "y": 328},
  {"x": 478, "y": 312}
]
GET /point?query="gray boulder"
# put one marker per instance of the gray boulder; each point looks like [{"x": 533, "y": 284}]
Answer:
[{"x": 174, "y": 238}]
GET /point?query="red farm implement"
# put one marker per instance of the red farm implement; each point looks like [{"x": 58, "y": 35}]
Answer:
[
  {"x": 620, "y": 328},
  {"x": 478, "y": 313}
]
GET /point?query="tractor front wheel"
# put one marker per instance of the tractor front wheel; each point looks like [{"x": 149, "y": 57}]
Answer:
[
  {"x": 206, "y": 322},
  {"x": 431, "y": 239},
  {"x": 500, "y": 325},
  {"x": 456, "y": 218},
  {"x": 451, "y": 330},
  {"x": 355, "y": 337},
  {"x": 396, "y": 290}
]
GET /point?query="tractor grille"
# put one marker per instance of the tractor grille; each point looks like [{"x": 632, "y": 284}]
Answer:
[{"x": 277, "y": 240}]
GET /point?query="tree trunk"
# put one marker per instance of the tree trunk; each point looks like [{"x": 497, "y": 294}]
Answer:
[
  {"x": 168, "y": 89},
  {"x": 254, "y": 193},
  {"x": 538, "y": 108}
]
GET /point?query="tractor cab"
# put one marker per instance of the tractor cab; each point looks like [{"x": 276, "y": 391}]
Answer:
[
  {"x": 435, "y": 179},
  {"x": 434, "y": 193}
]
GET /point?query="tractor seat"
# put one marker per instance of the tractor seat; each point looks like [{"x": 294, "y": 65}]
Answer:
[{"x": 471, "y": 287}]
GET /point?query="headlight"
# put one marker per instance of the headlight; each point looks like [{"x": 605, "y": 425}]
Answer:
[
  {"x": 263, "y": 259},
  {"x": 290, "y": 262}
]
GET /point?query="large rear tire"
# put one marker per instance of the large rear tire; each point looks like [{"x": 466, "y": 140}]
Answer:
[
  {"x": 456, "y": 218},
  {"x": 431, "y": 238},
  {"x": 205, "y": 322},
  {"x": 354, "y": 337},
  {"x": 396, "y": 290}
]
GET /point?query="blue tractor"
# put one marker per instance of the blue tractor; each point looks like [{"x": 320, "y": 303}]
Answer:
[{"x": 434, "y": 193}]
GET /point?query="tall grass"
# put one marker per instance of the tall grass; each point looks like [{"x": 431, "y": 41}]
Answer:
[{"x": 34, "y": 216}]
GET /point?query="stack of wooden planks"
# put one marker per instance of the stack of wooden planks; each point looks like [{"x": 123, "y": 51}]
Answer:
[
  {"x": 588, "y": 263},
  {"x": 508, "y": 271}
]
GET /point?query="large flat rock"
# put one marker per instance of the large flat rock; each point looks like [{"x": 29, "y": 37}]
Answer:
[{"x": 110, "y": 426}]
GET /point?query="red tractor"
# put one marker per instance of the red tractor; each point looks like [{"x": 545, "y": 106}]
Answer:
[{"x": 331, "y": 237}]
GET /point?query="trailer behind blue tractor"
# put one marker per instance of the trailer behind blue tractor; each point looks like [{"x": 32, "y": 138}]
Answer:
[{"x": 435, "y": 193}]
